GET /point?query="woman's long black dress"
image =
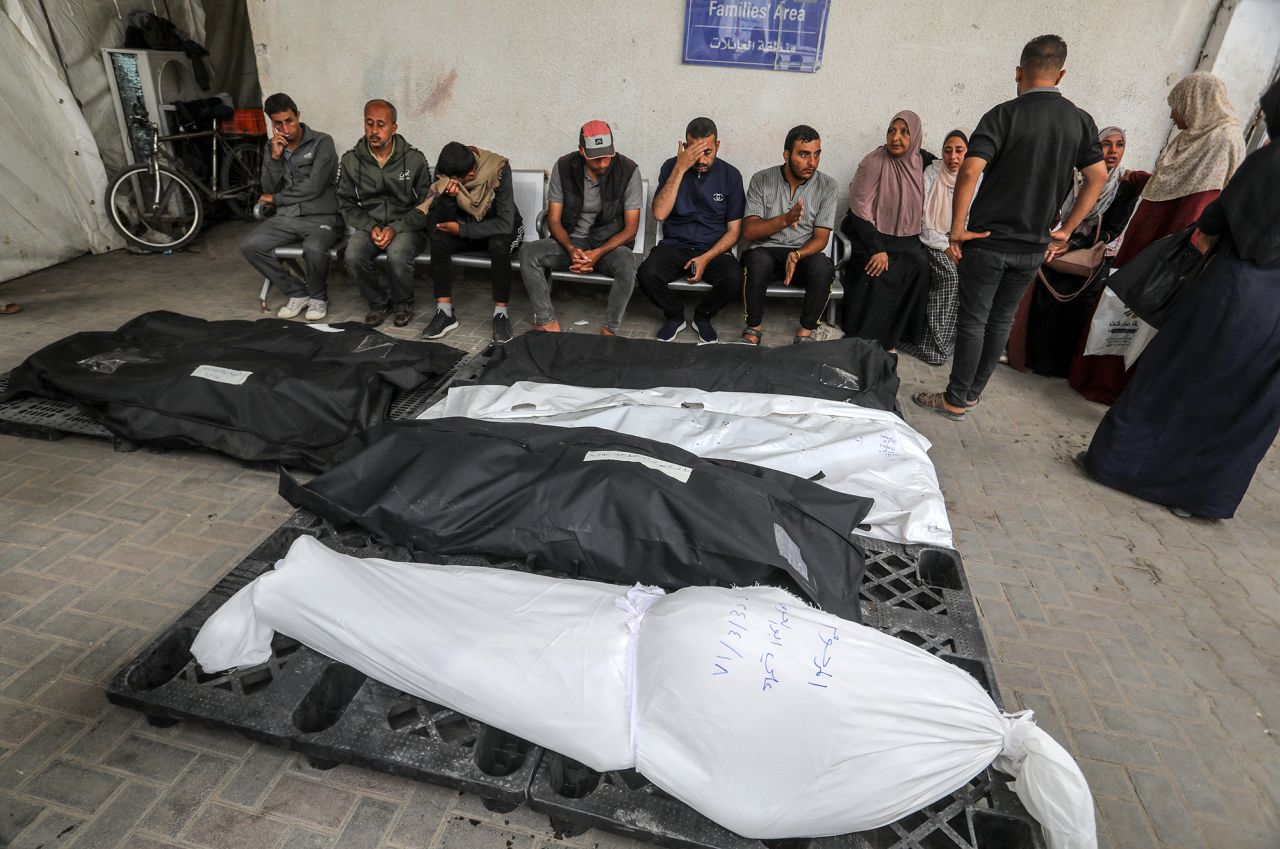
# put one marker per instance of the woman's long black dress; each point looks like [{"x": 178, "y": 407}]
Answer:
[
  {"x": 890, "y": 308},
  {"x": 1203, "y": 406}
]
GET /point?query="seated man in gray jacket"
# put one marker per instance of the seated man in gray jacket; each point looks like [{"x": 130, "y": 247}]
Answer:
[
  {"x": 297, "y": 179},
  {"x": 380, "y": 183},
  {"x": 593, "y": 214}
]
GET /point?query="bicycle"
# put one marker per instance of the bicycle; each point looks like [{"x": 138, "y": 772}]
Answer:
[{"x": 156, "y": 205}]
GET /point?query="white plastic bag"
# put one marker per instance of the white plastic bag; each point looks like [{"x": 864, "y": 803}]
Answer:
[
  {"x": 1112, "y": 329},
  {"x": 773, "y": 719},
  {"x": 501, "y": 647},
  {"x": 845, "y": 447}
]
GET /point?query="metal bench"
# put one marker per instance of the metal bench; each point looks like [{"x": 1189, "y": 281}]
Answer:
[
  {"x": 838, "y": 248},
  {"x": 530, "y": 195}
]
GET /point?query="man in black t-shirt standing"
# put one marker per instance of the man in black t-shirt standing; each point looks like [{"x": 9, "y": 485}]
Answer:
[{"x": 1025, "y": 150}]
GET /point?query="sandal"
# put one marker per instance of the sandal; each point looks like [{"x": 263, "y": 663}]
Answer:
[
  {"x": 10, "y": 309},
  {"x": 751, "y": 336},
  {"x": 972, "y": 402},
  {"x": 936, "y": 403},
  {"x": 804, "y": 337}
]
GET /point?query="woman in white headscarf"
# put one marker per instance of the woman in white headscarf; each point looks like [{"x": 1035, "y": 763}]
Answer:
[
  {"x": 1189, "y": 175},
  {"x": 1056, "y": 309},
  {"x": 938, "y": 339}
]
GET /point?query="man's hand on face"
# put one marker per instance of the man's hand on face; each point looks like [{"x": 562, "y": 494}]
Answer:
[
  {"x": 687, "y": 154},
  {"x": 278, "y": 144}
]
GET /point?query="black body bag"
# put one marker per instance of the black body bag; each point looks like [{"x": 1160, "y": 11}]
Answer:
[
  {"x": 267, "y": 390},
  {"x": 857, "y": 371},
  {"x": 594, "y": 504},
  {"x": 1152, "y": 283}
]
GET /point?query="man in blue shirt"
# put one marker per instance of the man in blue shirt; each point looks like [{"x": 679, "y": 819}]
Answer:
[{"x": 701, "y": 204}]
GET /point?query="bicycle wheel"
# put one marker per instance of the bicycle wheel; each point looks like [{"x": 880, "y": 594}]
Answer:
[
  {"x": 157, "y": 212},
  {"x": 240, "y": 179}
]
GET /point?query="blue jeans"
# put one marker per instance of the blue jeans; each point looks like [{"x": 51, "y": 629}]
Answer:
[{"x": 991, "y": 285}]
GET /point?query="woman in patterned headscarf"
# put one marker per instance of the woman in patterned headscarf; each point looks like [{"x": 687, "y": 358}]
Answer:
[
  {"x": 886, "y": 302},
  {"x": 1189, "y": 174},
  {"x": 1204, "y": 405}
]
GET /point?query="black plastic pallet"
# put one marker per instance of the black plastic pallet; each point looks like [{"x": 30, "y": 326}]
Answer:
[
  {"x": 984, "y": 814},
  {"x": 304, "y": 701},
  {"x": 43, "y": 418},
  {"x": 301, "y": 700}
]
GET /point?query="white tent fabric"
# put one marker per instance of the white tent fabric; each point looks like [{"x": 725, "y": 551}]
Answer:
[
  {"x": 857, "y": 450},
  {"x": 773, "y": 719},
  {"x": 51, "y": 177},
  {"x": 82, "y": 29}
]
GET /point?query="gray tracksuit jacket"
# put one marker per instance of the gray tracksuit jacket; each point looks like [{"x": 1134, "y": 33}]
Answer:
[{"x": 304, "y": 179}]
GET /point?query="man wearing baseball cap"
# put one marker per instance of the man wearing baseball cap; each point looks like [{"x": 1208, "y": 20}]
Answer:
[{"x": 593, "y": 214}]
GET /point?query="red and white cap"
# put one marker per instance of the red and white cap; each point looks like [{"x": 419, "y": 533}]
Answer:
[{"x": 596, "y": 139}]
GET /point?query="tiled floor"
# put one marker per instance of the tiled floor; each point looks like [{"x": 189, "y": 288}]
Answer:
[{"x": 1149, "y": 645}]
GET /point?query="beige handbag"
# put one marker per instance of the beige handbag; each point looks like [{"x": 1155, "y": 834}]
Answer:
[{"x": 1083, "y": 263}]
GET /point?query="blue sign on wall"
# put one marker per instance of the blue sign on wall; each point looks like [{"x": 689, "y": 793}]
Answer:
[{"x": 777, "y": 35}]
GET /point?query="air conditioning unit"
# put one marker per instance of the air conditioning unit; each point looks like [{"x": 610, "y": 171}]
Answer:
[{"x": 150, "y": 80}]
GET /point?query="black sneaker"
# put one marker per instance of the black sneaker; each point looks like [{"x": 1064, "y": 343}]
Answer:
[
  {"x": 501, "y": 328},
  {"x": 375, "y": 316},
  {"x": 706, "y": 333},
  {"x": 669, "y": 330},
  {"x": 440, "y": 324}
]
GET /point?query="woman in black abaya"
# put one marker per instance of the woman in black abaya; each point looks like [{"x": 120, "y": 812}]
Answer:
[{"x": 1203, "y": 406}]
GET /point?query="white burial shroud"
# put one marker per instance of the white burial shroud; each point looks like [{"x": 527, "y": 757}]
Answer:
[
  {"x": 770, "y": 717},
  {"x": 857, "y": 450}
]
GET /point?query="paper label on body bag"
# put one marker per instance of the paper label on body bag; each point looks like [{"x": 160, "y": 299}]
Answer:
[
  {"x": 791, "y": 552},
  {"x": 671, "y": 470},
  {"x": 222, "y": 375},
  {"x": 325, "y": 328}
]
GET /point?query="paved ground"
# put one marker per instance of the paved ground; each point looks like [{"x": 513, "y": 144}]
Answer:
[{"x": 1149, "y": 645}]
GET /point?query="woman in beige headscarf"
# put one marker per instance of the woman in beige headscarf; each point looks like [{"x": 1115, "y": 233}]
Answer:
[{"x": 1189, "y": 175}]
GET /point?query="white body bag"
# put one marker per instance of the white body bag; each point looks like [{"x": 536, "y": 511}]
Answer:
[{"x": 769, "y": 717}]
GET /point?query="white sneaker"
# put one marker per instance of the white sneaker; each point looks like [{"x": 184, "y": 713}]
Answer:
[
  {"x": 317, "y": 310},
  {"x": 293, "y": 308}
]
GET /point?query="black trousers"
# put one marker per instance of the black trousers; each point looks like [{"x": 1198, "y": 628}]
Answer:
[
  {"x": 765, "y": 264},
  {"x": 665, "y": 263},
  {"x": 499, "y": 248}
]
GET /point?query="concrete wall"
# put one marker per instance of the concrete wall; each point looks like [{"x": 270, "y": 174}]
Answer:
[
  {"x": 520, "y": 77},
  {"x": 1247, "y": 54}
]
